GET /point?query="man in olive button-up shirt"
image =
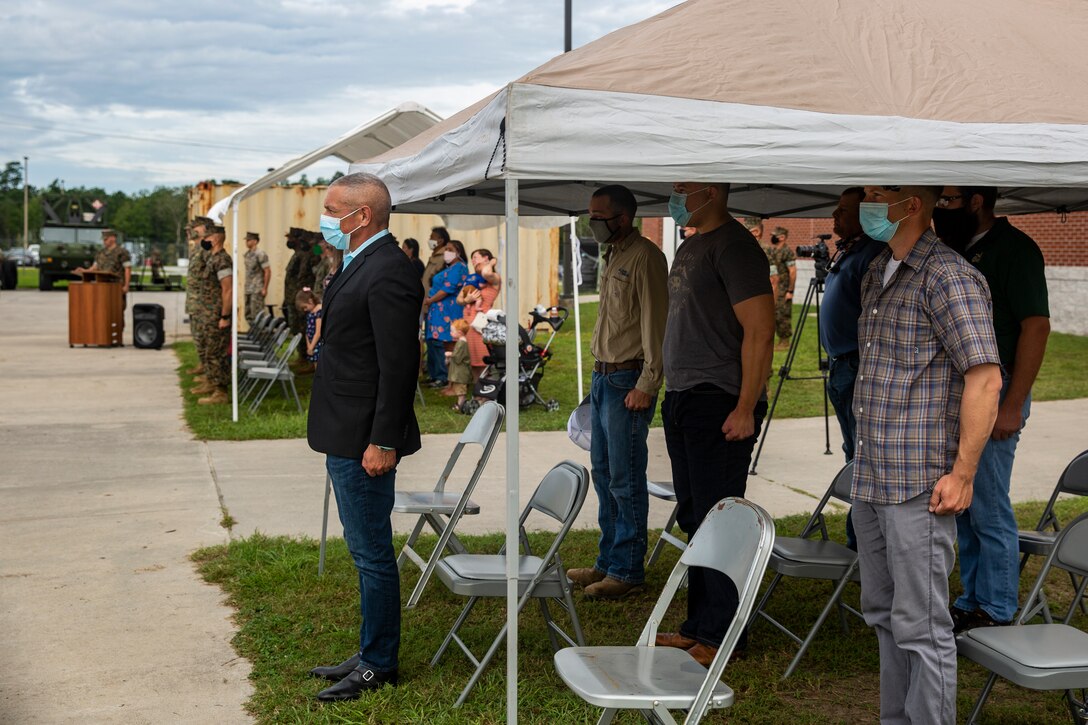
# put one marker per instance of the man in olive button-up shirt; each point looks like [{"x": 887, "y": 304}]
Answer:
[{"x": 627, "y": 375}]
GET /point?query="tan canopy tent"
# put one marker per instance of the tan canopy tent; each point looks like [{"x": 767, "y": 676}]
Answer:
[{"x": 790, "y": 101}]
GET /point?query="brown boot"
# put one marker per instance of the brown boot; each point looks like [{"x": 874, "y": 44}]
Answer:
[
  {"x": 782, "y": 344},
  {"x": 585, "y": 576},
  {"x": 198, "y": 370},
  {"x": 674, "y": 639},
  {"x": 219, "y": 396},
  {"x": 200, "y": 379},
  {"x": 609, "y": 588},
  {"x": 203, "y": 389},
  {"x": 704, "y": 654}
]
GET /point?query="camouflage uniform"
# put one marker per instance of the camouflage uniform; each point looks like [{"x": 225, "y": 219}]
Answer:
[
  {"x": 256, "y": 262},
  {"x": 194, "y": 295},
  {"x": 291, "y": 286},
  {"x": 217, "y": 267},
  {"x": 114, "y": 260},
  {"x": 322, "y": 270},
  {"x": 782, "y": 259}
]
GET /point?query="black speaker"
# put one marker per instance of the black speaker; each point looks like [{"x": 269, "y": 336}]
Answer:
[{"x": 147, "y": 329}]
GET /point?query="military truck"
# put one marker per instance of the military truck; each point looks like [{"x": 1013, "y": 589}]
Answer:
[{"x": 66, "y": 247}]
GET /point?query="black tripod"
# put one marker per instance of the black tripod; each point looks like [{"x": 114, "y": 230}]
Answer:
[{"x": 812, "y": 301}]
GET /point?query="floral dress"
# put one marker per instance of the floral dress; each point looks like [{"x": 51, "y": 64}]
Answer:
[
  {"x": 441, "y": 314},
  {"x": 311, "y": 330}
]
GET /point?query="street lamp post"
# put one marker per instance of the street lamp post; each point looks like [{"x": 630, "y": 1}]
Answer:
[{"x": 26, "y": 202}]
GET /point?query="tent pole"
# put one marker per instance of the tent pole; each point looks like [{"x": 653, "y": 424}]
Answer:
[
  {"x": 668, "y": 239},
  {"x": 576, "y": 278},
  {"x": 234, "y": 316},
  {"x": 513, "y": 506}
]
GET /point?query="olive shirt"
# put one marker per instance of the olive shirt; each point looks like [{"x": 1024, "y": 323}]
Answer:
[
  {"x": 633, "y": 308},
  {"x": 781, "y": 258},
  {"x": 114, "y": 260},
  {"x": 1013, "y": 266}
]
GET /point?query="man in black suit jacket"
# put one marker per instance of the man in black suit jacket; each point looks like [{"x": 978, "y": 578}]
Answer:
[{"x": 361, "y": 414}]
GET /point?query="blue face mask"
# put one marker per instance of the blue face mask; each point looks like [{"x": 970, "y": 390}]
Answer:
[
  {"x": 678, "y": 208},
  {"x": 874, "y": 220},
  {"x": 330, "y": 230}
]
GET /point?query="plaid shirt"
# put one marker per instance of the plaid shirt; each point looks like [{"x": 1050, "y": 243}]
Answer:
[{"x": 917, "y": 337}]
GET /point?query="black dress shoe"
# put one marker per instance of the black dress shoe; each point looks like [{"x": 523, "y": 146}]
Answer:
[
  {"x": 356, "y": 683},
  {"x": 337, "y": 672}
]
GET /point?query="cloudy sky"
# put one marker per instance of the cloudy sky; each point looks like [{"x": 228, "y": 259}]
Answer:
[{"x": 131, "y": 94}]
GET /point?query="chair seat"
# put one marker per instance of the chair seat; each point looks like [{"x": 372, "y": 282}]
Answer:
[
  {"x": 636, "y": 677},
  {"x": 270, "y": 373},
  {"x": 661, "y": 489},
  {"x": 1037, "y": 656},
  {"x": 1037, "y": 543},
  {"x": 810, "y": 558},
  {"x": 484, "y": 575},
  {"x": 431, "y": 502}
]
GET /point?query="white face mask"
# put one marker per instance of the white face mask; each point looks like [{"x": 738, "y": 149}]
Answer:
[
  {"x": 432, "y": 244},
  {"x": 449, "y": 256}
]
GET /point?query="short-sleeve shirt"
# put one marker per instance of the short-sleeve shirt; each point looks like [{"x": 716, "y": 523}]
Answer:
[
  {"x": 781, "y": 258},
  {"x": 711, "y": 273},
  {"x": 256, "y": 261},
  {"x": 1013, "y": 266},
  {"x": 113, "y": 260},
  {"x": 917, "y": 337},
  {"x": 217, "y": 267}
]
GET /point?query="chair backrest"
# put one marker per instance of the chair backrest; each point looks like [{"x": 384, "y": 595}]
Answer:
[
  {"x": 843, "y": 483},
  {"x": 1074, "y": 478},
  {"x": 729, "y": 539},
  {"x": 482, "y": 430},
  {"x": 1070, "y": 552},
  {"x": 281, "y": 361},
  {"x": 560, "y": 493},
  {"x": 840, "y": 489}
]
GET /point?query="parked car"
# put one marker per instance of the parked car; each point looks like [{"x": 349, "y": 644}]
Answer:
[{"x": 20, "y": 256}]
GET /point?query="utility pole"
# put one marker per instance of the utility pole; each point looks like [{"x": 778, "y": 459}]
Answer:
[
  {"x": 26, "y": 202},
  {"x": 566, "y": 27}
]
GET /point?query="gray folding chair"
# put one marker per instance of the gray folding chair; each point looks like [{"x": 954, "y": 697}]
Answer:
[
  {"x": 1048, "y": 656},
  {"x": 735, "y": 538},
  {"x": 281, "y": 373},
  {"x": 804, "y": 557},
  {"x": 664, "y": 490},
  {"x": 1040, "y": 540},
  {"x": 441, "y": 509},
  {"x": 558, "y": 496}
]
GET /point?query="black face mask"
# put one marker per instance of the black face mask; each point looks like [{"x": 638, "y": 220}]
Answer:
[
  {"x": 955, "y": 227},
  {"x": 206, "y": 245}
]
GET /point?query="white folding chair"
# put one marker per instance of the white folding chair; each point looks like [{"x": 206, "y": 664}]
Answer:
[
  {"x": 281, "y": 373},
  {"x": 441, "y": 509},
  {"x": 665, "y": 491},
  {"x": 558, "y": 496},
  {"x": 735, "y": 538},
  {"x": 804, "y": 557},
  {"x": 1047, "y": 656}
]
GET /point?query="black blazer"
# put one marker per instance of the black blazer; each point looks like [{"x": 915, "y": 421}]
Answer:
[{"x": 365, "y": 384}]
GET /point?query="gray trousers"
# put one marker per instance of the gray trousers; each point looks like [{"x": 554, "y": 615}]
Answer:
[{"x": 906, "y": 555}]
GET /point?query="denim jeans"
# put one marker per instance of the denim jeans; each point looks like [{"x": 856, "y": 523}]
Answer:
[
  {"x": 705, "y": 469},
  {"x": 987, "y": 532},
  {"x": 365, "y": 504},
  {"x": 618, "y": 455},
  {"x": 841, "y": 375},
  {"x": 436, "y": 361}
]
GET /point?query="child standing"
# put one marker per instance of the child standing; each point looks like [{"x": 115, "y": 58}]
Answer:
[
  {"x": 309, "y": 305},
  {"x": 460, "y": 363}
]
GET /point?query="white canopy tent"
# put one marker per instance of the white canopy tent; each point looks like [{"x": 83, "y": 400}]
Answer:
[
  {"x": 789, "y": 101},
  {"x": 387, "y": 131}
]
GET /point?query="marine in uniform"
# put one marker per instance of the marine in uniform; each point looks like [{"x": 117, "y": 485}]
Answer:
[
  {"x": 783, "y": 268},
  {"x": 197, "y": 259},
  {"x": 258, "y": 272},
  {"x": 214, "y": 315}
]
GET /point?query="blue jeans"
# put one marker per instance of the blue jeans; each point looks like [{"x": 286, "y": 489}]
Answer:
[
  {"x": 436, "y": 360},
  {"x": 618, "y": 455},
  {"x": 365, "y": 504},
  {"x": 988, "y": 538},
  {"x": 705, "y": 469},
  {"x": 841, "y": 375}
]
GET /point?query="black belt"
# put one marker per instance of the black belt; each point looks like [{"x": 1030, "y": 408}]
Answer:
[
  {"x": 608, "y": 368},
  {"x": 845, "y": 356}
]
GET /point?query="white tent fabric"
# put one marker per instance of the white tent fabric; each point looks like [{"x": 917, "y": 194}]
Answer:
[
  {"x": 788, "y": 101},
  {"x": 388, "y": 130}
]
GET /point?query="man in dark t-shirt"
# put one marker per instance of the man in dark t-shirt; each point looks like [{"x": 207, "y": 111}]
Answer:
[
  {"x": 1013, "y": 266},
  {"x": 718, "y": 345}
]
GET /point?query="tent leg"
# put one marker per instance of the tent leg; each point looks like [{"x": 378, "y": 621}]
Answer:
[
  {"x": 576, "y": 273},
  {"x": 512, "y": 282}
]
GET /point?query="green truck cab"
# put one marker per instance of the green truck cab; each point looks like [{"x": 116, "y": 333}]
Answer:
[{"x": 65, "y": 247}]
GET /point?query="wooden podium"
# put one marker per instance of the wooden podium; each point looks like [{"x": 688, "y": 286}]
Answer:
[{"x": 95, "y": 311}]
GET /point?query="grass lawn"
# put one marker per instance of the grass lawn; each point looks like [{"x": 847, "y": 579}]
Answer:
[
  {"x": 1064, "y": 375},
  {"x": 290, "y": 620}
]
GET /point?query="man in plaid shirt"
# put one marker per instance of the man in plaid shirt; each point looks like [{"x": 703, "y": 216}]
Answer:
[{"x": 925, "y": 401}]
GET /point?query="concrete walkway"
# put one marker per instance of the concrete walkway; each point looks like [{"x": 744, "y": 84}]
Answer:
[{"x": 106, "y": 494}]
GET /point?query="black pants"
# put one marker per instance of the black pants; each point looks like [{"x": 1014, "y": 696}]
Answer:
[{"x": 705, "y": 469}]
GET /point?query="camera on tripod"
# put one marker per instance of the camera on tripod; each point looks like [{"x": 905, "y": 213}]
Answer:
[{"x": 819, "y": 253}]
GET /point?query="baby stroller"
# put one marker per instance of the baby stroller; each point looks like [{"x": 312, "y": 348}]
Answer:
[{"x": 533, "y": 357}]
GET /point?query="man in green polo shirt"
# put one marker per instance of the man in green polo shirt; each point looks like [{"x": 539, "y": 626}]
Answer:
[{"x": 1013, "y": 266}]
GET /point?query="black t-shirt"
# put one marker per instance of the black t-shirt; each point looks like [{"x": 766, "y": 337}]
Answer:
[{"x": 711, "y": 273}]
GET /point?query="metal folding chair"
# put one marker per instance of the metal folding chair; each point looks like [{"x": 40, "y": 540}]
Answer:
[
  {"x": 558, "y": 496},
  {"x": 664, "y": 490},
  {"x": 441, "y": 509},
  {"x": 1047, "y": 656},
  {"x": 280, "y": 373},
  {"x": 814, "y": 558},
  {"x": 735, "y": 538},
  {"x": 267, "y": 357},
  {"x": 1040, "y": 540}
]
